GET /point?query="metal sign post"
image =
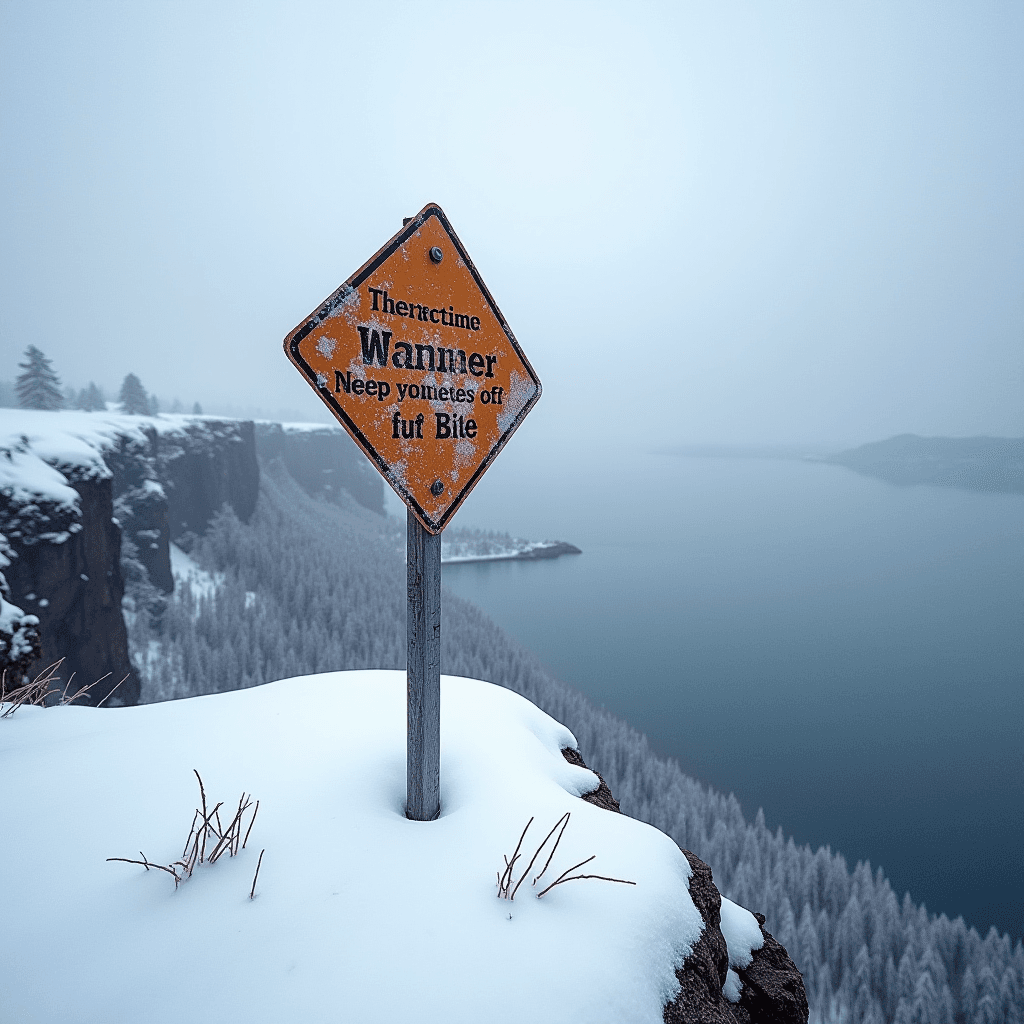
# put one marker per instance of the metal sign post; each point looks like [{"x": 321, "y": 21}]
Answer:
[{"x": 413, "y": 357}]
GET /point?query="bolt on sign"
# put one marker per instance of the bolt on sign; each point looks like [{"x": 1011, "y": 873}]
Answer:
[{"x": 414, "y": 358}]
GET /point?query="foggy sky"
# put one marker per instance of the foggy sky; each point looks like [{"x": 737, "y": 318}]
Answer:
[{"x": 728, "y": 222}]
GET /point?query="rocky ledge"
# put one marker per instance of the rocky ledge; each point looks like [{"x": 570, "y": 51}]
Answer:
[
  {"x": 81, "y": 495},
  {"x": 770, "y": 990}
]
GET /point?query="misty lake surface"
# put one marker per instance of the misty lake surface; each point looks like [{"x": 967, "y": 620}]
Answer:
[{"x": 845, "y": 653}]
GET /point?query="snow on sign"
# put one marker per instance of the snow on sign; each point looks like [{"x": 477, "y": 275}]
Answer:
[{"x": 414, "y": 358}]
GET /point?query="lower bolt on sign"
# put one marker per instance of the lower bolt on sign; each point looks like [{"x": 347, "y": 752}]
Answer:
[{"x": 414, "y": 358}]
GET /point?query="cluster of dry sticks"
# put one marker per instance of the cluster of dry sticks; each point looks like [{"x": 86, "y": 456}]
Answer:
[
  {"x": 207, "y": 829},
  {"x": 37, "y": 692},
  {"x": 508, "y": 887}
]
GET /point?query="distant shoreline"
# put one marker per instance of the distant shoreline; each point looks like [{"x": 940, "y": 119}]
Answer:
[
  {"x": 545, "y": 549},
  {"x": 994, "y": 464}
]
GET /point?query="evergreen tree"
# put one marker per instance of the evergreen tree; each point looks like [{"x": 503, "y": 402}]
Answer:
[
  {"x": 38, "y": 387},
  {"x": 197, "y": 409},
  {"x": 133, "y": 397},
  {"x": 91, "y": 399},
  {"x": 154, "y": 405}
]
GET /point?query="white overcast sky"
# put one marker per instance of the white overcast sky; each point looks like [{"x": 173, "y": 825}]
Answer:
[{"x": 717, "y": 221}]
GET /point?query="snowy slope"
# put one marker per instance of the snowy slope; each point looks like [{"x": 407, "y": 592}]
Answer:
[{"x": 359, "y": 913}]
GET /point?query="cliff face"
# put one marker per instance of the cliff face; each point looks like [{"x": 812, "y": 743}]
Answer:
[
  {"x": 209, "y": 465},
  {"x": 167, "y": 483},
  {"x": 65, "y": 570},
  {"x": 72, "y": 486},
  {"x": 323, "y": 461}
]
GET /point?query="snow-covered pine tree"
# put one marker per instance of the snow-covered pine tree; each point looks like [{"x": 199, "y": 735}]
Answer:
[
  {"x": 197, "y": 409},
  {"x": 133, "y": 398},
  {"x": 38, "y": 387}
]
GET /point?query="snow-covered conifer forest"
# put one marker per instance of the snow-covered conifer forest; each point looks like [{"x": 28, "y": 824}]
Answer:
[{"x": 310, "y": 586}]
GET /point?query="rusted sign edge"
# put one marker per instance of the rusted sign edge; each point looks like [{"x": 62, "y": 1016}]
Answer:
[{"x": 335, "y": 299}]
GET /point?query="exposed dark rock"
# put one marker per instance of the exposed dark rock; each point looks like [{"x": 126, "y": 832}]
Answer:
[
  {"x": 142, "y": 515},
  {"x": 600, "y": 797},
  {"x": 703, "y": 974},
  {"x": 173, "y": 483},
  {"x": 773, "y": 988},
  {"x": 20, "y": 646},
  {"x": 67, "y": 572},
  {"x": 213, "y": 465},
  {"x": 324, "y": 461}
]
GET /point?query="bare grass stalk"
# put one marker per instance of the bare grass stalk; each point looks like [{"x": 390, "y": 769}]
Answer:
[
  {"x": 251, "y": 823},
  {"x": 37, "y": 692},
  {"x": 202, "y": 831},
  {"x": 505, "y": 878},
  {"x": 506, "y": 889},
  {"x": 34, "y": 693},
  {"x": 252, "y": 891}
]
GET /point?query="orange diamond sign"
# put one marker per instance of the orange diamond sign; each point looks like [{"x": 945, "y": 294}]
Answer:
[{"x": 414, "y": 358}]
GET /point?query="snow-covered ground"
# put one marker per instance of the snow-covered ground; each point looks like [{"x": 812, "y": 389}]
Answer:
[{"x": 359, "y": 913}]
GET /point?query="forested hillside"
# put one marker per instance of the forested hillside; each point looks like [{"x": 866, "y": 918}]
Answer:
[{"x": 309, "y": 586}]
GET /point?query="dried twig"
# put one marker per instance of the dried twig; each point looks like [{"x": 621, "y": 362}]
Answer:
[
  {"x": 553, "y": 849},
  {"x": 39, "y": 690},
  {"x": 190, "y": 832},
  {"x": 505, "y": 879},
  {"x": 252, "y": 891},
  {"x": 507, "y": 891},
  {"x": 576, "y": 878},
  {"x": 99, "y": 703},
  {"x": 203, "y": 830},
  {"x": 251, "y": 823},
  {"x": 147, "y": 864},
  {"x": 34, "y": 693}
]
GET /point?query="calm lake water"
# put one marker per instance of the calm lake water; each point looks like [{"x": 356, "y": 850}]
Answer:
[{"x": 846, "y": 654}]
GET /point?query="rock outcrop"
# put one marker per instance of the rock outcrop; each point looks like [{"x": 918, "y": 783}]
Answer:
[
  {"x": 72, "y": 486},
  {"x": 772, "y": 989},
  {"x": 20, "y": 647},
  {"x": 65, "y": 569},
  {"x": 170, "y": 482}
]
